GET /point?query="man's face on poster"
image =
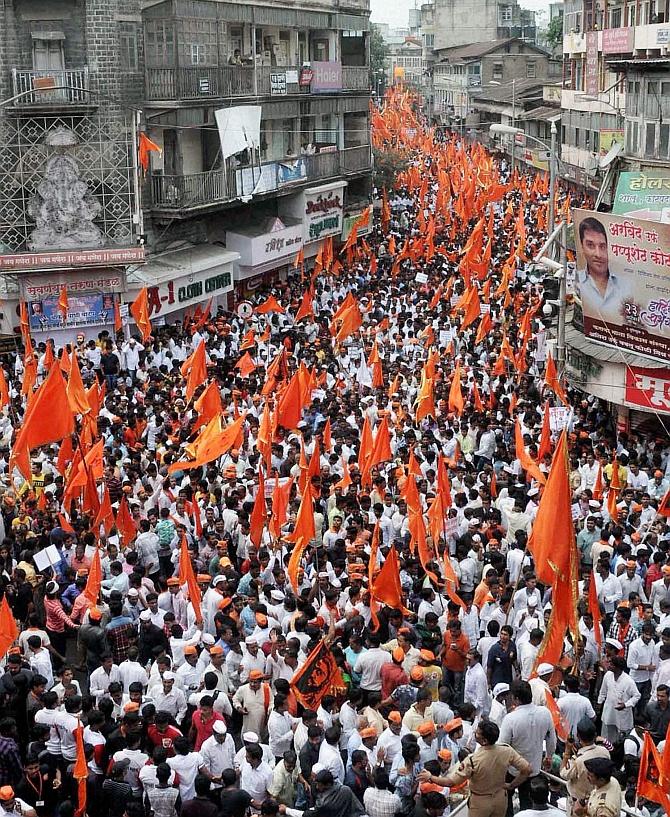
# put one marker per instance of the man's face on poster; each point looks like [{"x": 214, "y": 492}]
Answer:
[{"x": 594, "y": 247}]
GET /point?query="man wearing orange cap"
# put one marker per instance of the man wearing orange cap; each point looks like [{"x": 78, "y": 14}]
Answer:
[
  {"x": 254, "y": 701},
  {"x": 393, "y": 675}
]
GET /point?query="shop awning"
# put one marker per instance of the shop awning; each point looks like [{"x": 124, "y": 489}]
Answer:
[
  {"x": 177, "y": 263},
  {"x": 607, "y": 354}
]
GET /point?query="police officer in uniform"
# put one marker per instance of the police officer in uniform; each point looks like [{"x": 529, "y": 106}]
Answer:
[
  {"x": 485, "y": 770},
  {"x": 605, "y": 799}
]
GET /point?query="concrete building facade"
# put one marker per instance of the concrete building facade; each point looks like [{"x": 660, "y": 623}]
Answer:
[{"x": 91, "y": 66}]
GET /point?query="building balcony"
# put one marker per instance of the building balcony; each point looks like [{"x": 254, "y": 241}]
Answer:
[
  {"x": 187, "y": 194},
  {"x": 68, "y": 86},
  {"x": 198, "y": 83}
]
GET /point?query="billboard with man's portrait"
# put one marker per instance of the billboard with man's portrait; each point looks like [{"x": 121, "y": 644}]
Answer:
[{"x": 623, "y": 281}]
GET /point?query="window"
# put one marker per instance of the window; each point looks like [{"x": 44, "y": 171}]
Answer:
[
  {"x": 577, "y": 137},
  {"x": 664, "y": 141},
  {"x": 652, "y": 103},
  {"x": 128, "y": 46},
  {"x": 563, "y": 134},
  {"x": 632, "y": 131},
  {"x": 505, "y": 14},
  {"x": 497, "y": 70},
  {"x": 530, "y": 69},
  {"x": 587, "y": 139},
  {"x": 596, "y": 141},
  {"x": 160, "y": 44},
  {"x": 198, "y": 42},
  {"x": 650, "y": 139},
  {"x": 615, "y": 18}
]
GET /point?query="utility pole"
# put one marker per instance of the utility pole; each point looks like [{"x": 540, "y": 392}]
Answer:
[
  {"x": 552, "y": 179},
  {"x": 562, "y": 299}
]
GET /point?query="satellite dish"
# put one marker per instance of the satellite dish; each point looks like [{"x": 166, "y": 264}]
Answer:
[{"x": 612, "y": 153}]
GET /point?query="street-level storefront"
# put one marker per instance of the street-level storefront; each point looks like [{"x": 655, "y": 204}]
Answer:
[
  {"x": 266, "y": 252},
  {"x": 179, "y": 281},
  {"x": 637, "y": 388},
  {"x": 93, "y": 279},
  {"x": 321, "y": 212}
]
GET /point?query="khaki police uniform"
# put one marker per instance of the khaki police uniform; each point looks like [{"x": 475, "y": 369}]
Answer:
[
  {"x": 486, "y": 770},
  {"x": 576, "y": 776},
  {"x": 605, "y": 801}
]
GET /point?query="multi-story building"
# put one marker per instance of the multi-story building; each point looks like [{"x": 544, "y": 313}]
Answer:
[
  {"x": 404, "y": 63},
  {"x": 308, "y": 166},
  {"x": 69, "y": 198},
  {"x": 616, "y": 145},
  {"x": 463, "y": 22},
  {"x": 463, "y": 73},
  {"x": 220, "y": 209}
]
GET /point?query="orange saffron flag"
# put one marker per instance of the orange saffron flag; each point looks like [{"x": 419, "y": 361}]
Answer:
[
  {"x": 9, "y": 632},
  {"x": 271, "y": 304},
  {"x": 594, "y": 609},
  {"x": 651, "y": 782},
  {"x": 561, "y": 724},
  {"x": 47, "y": 420},
  {"x": 94, "y": 580},
  {"x": 63, "y": 303},
  {"x": 306, "y": 305},
  {"x": 76, "y": 394},
  {"x": 258, "y": 518},
  {"x": 80, "y": 770},
  {"x": 552, "y": 381},
  {"x": 456, "y": 403},
  {"x": 187, "y": 576},
  {"x": 197, "y": 374},
  {"x": 124, "y": 523},
  {"x": 552, "y": 540},
  {"x": 140, "y": 312},
  {"x": 302, "y": 535}
]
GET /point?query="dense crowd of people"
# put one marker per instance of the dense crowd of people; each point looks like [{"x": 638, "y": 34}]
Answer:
[{"x": 194, "y": 709}]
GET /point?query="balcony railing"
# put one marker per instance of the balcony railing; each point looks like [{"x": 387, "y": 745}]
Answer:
[
  {"x": 201, "y": 190},
  {"x": 68, "y": 86},
  {"x": 237, "y": 81}
]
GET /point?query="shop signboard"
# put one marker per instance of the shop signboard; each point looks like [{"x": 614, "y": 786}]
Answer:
[
  {"x": 591, "y": 74},
  {"x": 618, "y": 40},
  {"x": 327, "y": 76},
  {"x": 648, "y": 389},
  {"x": 189, "y": 290},
  {"x": 623, "y": 281},
  {"x": 258, "y": 250},
  {"x": 323, "y": 212},
  {"x": 643, "y": 194}
]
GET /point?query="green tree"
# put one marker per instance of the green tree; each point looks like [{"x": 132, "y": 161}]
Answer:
[
  {"x": 387, "y": 165},
  {"x": 554, "y": 33},
  {"x": 378, "y": 54}
]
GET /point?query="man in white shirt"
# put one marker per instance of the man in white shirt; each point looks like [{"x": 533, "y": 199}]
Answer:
[
  {"x": 574, "y": 706},
  {"x": 539, "y": 801},
  {"x": 40, "y": 660},
  {"x": 170, "y": 698},
  {"x": 281, "y": 727},
  {"x": 329, "y": 754},
  {"x": 370, "y": 663},
  {"x": 641, "y": 662},
  {"x": 255, "y": 777},
  {"x": 218, "y": 752},
  {"x": 476, "y": 686},
  {"x": 103, "y": 676},
  {"x": 528, "y": 728}
]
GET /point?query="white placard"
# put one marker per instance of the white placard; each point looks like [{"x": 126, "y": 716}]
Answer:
[
  {"x": 421, "y": 278},
  {"x": 47, "y": 558},
  {"x": 558, "y": 418}
]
